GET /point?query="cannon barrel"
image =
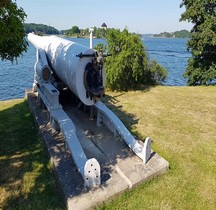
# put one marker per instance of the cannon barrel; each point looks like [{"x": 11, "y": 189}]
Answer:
[{"x": 82, "y": 74}]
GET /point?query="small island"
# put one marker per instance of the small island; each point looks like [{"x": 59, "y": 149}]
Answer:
[{"x": 176, "y": 34}]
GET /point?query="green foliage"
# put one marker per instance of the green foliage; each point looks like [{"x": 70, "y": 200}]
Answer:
[
  {"x": 100, "y": 32},
  {"x": 128, "y": 67},
  {"x": 39, "y": 29},
  {"x": 201, "y": 68},
  {"x": 157, "y": 73},
  {"x": 12, "y": 38},
  {"x": 176, "y": 34},
  {"x": 73, "y": 31},
  {"x": 76, "y": 31},
  {"x": 164, "y": 35},
  {"x": 100, "y": 47},
  {"x": 84, "y": 32},
  {"x": 182, "y": 34}
]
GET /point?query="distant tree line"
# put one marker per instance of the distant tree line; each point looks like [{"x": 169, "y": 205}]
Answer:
[
  {"x": 77, "y": 32},
  {"x": 39, "y": 29},
  {"x": 176, "y": 34},
  {"x": 74, "y": 31}
]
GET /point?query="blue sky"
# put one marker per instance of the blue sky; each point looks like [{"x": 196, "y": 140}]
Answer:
[{"x": 140, "y": 16}]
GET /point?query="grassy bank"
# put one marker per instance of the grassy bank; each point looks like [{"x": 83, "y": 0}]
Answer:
[
  {"x": 26, "y": 178},
  {"x": 181, "y": 122}
]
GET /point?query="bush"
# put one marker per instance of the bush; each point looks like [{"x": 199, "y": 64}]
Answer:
[
  {"x": 129, "y": 67},
  {"x": 157, "y": 73}
]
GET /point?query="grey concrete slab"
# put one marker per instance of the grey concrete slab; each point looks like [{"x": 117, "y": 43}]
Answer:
[{"x": 120, "y": 168}]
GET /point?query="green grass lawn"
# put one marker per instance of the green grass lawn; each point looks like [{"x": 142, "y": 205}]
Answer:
[
  {"x": 26, "y": 178},
  {"x": 181, "y": 122}
]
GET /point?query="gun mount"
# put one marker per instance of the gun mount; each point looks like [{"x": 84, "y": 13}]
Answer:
[{"x": 79, "y": 68}]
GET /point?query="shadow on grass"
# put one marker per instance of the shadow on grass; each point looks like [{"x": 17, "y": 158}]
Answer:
[
  {"x": 128, "y": 119},
  {"x": 107, "y": 150},
  {"x": 26, "y": 177}
]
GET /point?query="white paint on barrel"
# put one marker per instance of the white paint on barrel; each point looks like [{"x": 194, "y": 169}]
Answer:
[{"x": 61, "y": 55}]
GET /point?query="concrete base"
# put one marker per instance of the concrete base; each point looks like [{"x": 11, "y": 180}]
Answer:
[{"x": 120, "y": 168}]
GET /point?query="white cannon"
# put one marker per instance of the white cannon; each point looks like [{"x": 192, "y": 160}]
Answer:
[
  {"x": 77, "y": 66},
  {"x": 81, "y": 70}
]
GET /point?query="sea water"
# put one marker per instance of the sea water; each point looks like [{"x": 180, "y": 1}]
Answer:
[{"x": 170, "y": 53}]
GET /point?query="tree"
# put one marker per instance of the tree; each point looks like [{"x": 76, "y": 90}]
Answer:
[
  {"x": 201, "y": 68},
  {"x": 75, "y": 30},
  {"x": 39, "y": 29},
  {"x": 12, "y": 38},
  {"x": 128, "y": 67}
]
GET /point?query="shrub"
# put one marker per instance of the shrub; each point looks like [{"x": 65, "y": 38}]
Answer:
[{"x": 129, "y": 67}]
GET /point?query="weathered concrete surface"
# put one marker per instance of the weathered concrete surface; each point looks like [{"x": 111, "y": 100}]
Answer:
[{"x": 120, "y": 168}]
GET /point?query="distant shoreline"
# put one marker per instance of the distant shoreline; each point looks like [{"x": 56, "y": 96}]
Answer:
[{"x": 176, "y": 34}]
